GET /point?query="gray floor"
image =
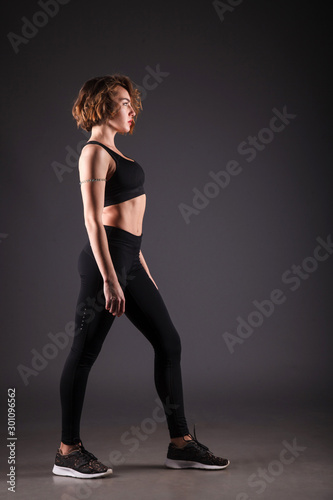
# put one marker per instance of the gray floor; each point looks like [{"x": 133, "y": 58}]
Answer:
[{"x": 257, "y": 443}]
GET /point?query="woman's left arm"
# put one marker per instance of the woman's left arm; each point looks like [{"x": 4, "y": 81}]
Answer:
[{"x": 144, "y": 265}]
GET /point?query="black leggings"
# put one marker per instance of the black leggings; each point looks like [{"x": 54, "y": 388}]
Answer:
[{"x": 145, "y": 308}]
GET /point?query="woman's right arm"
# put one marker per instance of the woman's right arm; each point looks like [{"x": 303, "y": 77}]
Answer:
[{"x": 94, "y": 164}]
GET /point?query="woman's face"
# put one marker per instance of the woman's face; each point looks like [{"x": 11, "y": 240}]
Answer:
[{"x": 121, "y": 122}]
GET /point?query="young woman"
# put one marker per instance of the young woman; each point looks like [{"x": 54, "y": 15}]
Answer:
[{"x": 115, "y": 280}]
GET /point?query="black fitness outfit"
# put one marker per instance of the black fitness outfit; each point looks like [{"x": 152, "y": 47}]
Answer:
[{"x": 144, "y": 307}]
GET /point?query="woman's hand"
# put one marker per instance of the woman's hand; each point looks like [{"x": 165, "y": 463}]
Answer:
[{"x": 114, "y": 298}]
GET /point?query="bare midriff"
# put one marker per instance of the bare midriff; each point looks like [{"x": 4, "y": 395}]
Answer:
[{"x": 127, "y": 215}]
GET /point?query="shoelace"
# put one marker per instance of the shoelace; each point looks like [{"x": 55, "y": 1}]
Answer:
[
  {"x": 200, "y": 445},
  {"x": 83, "y": 457},
  {"x": 194, "y": 437},
  {"x": 87, "y": 453}
]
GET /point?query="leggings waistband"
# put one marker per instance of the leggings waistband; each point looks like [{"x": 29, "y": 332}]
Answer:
[{"x": 113, "y": 232}]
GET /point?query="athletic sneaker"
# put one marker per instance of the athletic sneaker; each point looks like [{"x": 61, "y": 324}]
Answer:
[
  {"x": 79, "y": 463},
  {"x": 194, "y": 455}
]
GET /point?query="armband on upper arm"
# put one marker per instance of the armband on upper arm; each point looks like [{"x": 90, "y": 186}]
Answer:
[{"x": 91, "y": 180}]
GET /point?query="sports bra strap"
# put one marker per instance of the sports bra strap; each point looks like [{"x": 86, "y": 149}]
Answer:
[{"x": 103, "y": 146}]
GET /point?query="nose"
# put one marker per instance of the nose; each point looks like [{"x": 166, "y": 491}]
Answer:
[{"x": 132, "y": 110}]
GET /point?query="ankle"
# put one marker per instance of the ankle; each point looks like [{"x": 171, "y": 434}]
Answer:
[
  {"x": 181, "y": 441},
  {"x": 65, "y": 449}
]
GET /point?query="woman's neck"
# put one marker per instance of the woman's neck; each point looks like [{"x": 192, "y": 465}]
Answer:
[{"x": 104, "y": 134}]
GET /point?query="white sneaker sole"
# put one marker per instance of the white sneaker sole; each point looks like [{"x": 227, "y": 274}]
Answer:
[
  {"x": 66, "y": 471},
  {"x": 187, "y": 464}
]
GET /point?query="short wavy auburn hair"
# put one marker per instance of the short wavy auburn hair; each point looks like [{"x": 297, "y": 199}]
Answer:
[{"x": 95, "y": 103}]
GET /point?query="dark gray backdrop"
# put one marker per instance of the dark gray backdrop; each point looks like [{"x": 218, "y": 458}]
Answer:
[{"x": 225, "y": 75}]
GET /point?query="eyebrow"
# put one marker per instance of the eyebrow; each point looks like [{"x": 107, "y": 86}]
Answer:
[{"x": 124, "y": 99}]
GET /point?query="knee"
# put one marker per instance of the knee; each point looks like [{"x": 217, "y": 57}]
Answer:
[
  {"x": 84, "y": 356},
  {"x": 88, "y": 357},
  {"x": 171, "y": 348}
]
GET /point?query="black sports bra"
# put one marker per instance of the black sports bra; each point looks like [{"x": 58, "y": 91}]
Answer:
[{"x": 126, "y": 182}]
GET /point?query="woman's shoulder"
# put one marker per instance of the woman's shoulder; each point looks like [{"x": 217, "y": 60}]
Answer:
[
  {"x": 95, "y": 156},
  {"x": 94, "y": 151}
]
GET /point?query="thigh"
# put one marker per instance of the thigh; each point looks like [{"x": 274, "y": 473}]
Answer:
[
  {"x": 92, "y": 320},
  {"x": 146, "y": 309}
]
